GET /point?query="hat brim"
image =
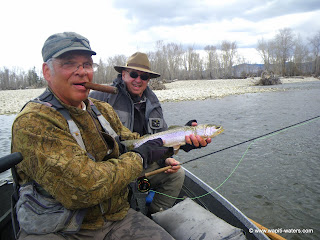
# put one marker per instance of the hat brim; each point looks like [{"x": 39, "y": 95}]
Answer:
[
  {"x": 73, "y": 49},
  {"x": 119, "y": 69}
]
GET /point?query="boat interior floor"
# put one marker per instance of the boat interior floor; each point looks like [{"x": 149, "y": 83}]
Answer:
[{"x": 193, "y": 220}]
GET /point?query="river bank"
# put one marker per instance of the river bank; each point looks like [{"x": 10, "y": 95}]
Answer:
[{"x": 183, "y": 90}]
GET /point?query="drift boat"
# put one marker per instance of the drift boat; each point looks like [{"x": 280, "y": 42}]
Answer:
[{"x": 214, "y": 213}]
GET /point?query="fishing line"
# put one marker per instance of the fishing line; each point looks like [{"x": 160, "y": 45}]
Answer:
[{"x": 264, "y": 136}]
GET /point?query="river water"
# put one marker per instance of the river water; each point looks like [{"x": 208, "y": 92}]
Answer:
[{"x": 277, "y": 181}]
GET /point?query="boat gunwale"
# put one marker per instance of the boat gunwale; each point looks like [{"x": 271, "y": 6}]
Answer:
[{"x": 229, "y": 207}]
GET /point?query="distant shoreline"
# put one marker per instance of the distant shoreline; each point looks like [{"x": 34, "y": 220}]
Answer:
[{"x": 183, "y": 90}]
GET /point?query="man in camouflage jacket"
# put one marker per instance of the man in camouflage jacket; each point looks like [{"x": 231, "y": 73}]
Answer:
[{"x": 65, "y": 170}]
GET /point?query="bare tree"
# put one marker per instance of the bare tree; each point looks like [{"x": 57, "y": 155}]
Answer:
[
  {"x": 228, "y": 54},
  {"x": 192, "y": 64},
  {"x": 111, "y": 73},
  {"x": 300, "y": 55},
  {"x": 167, "y": 60},
  {"x": 315, "y": 49},
  {"x": 33, "y": 78},
  {"x": 197, "y": 67},
  {"x": 284, "y": 41},
  {"x": 174, "y": 54},
  {"x": 100, "y": 75},
  {"x": 264, "y": 48},
  {"x": 187, "y": 62},
  {"x": 158, "y": 60},
  {"x": 212, "y": 63},
  {"x": 4, "y": 78}
]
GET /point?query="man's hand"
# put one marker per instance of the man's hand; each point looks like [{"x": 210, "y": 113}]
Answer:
[
  {"x": 192, "y": 141},
  {"x": 197, "y": 140},
  {"x": 174, "y": 163},
  {"x": 153, "y": 151}
]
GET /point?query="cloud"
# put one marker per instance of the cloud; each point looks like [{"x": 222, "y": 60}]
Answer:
[
  {"x": 276, "y": 8},
  {"x": 117, "y": 27},
  {"x": 147, "y": 14},
  {"x": 209, "y": 22}
]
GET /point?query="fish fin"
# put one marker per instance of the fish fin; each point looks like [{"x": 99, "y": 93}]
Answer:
[
  {"x": 146, "y": 135},
  {"x": 173, "y": 127},
  {"x": 176, "y": 149}
]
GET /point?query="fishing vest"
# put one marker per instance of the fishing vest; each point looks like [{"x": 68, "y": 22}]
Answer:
[
  {"x": 48, "y": 98},
  {"x": 37, "y": 211}
]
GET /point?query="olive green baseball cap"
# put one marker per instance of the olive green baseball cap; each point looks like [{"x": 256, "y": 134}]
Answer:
[{"x": 60, "y": 43}]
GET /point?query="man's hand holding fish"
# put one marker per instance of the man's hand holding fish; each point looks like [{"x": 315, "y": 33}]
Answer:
[{"x": 194, "y": 141}]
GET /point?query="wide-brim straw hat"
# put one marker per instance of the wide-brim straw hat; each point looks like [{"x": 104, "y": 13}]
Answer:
[{"x": 138, "y": 61}]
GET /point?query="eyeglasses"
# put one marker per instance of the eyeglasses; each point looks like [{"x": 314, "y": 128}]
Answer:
[
  {"x": 143, "y": 76},
  {"x": 74, "y": 66}
]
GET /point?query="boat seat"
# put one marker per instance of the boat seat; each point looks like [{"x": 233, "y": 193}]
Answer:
[{"x": 188, "y": 220}]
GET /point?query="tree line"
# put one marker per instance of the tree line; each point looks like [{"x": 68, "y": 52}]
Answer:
[
  {"x": 286, "y": 54},
  {"x": 19, "y": 79}
]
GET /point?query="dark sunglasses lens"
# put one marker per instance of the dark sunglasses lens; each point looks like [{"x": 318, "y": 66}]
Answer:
[
  {"x": 144, "y": 77},
  {"x": 134, "y": 74}
]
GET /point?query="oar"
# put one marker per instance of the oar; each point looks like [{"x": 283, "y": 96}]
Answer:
[
  {"x": 9, "y": 161},
  {"x": 266, "y": 231}
]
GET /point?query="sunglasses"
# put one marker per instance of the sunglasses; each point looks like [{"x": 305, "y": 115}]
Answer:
[{"x": 143, "y": 76}]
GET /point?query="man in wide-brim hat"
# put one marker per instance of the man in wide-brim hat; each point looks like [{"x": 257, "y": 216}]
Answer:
[
  {"x": 139, "y": 110},
  {"x": 136, "y": 73}
]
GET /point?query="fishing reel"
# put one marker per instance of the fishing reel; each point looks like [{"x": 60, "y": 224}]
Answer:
[{"x": 143, "y": 184}]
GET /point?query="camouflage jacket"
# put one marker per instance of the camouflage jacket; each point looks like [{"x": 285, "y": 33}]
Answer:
[{"x": 53, "y": 159}]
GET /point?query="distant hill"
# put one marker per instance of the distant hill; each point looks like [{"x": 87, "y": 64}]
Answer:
[
  {"x": 292, "y": 69},
  {"x": 249, "y": 69}
]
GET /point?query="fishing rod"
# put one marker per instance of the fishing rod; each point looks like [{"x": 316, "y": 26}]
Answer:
[
  {"x": 252, "y": 139},
  {"x": 144, "y": 184}
]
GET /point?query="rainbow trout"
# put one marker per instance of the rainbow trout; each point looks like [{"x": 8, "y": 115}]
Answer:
[{"x": 175, "y": 137}]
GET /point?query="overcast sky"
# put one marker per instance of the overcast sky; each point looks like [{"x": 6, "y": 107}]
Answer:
[{"x": 124, "y": 27}]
